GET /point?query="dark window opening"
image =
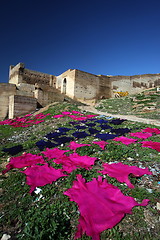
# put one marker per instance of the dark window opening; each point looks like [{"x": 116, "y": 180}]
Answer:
[{"x": 64, "y": 86}]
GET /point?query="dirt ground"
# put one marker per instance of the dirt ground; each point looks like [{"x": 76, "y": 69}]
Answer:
[{"x": 127, "y": 117}]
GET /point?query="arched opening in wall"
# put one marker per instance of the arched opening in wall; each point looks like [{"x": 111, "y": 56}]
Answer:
[{"x": 64, "y": 85}]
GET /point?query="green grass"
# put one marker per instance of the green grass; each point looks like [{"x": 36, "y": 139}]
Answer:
[{"x": 126, "y": 105}]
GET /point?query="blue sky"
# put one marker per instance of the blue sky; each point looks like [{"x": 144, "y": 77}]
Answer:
[{"x": 109, "y": 37}]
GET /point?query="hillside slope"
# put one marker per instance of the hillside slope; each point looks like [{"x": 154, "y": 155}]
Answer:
[
  {"x": 145, "y": 105},
  {"x": 59, "y": 147}
]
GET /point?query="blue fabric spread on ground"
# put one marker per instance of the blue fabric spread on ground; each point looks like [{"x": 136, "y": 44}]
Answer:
[
  {"x": 83, "y": 121},
  {"x": 117, "y": 121},
  {"x": 101, "y": 121},
  {"x": 90, "y": 124},
  {"x": 73, "y": 123},
  {"x": 103, "y": 126},
  {"x": 93, "y": 131},
  {"x": 42, "y": 144},
  {"x": 120, "y": 131},
  {"x": 63, "y": 140},
  {"x": 80, "y": 127},
  {"x": 105, "y": 136},
  {"x": 53, "y": 135},
  {"x": 64, "y": 129},
  {"x": 13, "y": 150},
  {"x": 80, "y": 134}
]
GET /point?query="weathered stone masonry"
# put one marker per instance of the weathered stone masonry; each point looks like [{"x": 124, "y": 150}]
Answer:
[{"x": 32, "y": 89}]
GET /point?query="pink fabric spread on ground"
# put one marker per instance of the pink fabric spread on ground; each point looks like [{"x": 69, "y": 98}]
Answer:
[
  {"x": 81, "y": 118},
  {"x": 41, "y": 175},
  {"x": 74, "y": 161},
  {"x": 151, "y": 130},
  {"x": 54, "y": 153},
  {"x": 101, "y": 205},
  {"x": 91, "y": 115},
  {"x": 150, "y": 144},
  {"x": 66, "y": 113},
  {"x": 82, "y": 161},
  {"x": 77, "y": 118},
  {"x": 125, "y": 140},
  {"x": 102, "y": 144},
  {"x": 67, "y": 164},
  {"x": 58, "y": 116},
  {"x": 73, "y": 145},
  {"x": 141, "y": 135},
  {"x": 77, "y": 112},
  {"x": 25, "y": 160},
  {"x": 23, "y": 121},
  {"x": 121, "y": 172}
]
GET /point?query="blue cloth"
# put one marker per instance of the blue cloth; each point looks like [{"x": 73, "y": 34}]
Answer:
[
  {"x": 80, "y": 127},
  {"x": 93, "y": 131},
  {"x": 90, "y": 124},
  {"x": 80, "y": 134},
  {"x": 13, "y": 150},
  {"x": 117, "y": 121},
  {"x": 120, "y": 131},
  {"x": 64, "y": 129},
  {"x": 73, "y": 123},
  {"x": 53, "y": 135},
  {"x": 103, "y": 126},
  {"x": 101, "y": 121},
  {"x": 42, "y": 144},
  {"x": 105, "y": 136},
  {"x": 63, "y": 140}
]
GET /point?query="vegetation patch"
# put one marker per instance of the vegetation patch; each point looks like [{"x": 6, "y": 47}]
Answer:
[
  {"x": 47, "y": 213},
  {"x": 145, "y": 104}
]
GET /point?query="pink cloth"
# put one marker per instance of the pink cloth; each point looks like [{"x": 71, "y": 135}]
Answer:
[
  {"x": 58, "y": 116},
  {"x": 54, "y": 153},
  {"x": 125, "y": 140},
  {"x": 81, "y": 118},
  {"x": 141, "y": 135},
  {"x": 151, "y": 130},
  {"x": 41, "y": 175},
  {"x": 66, "y": 113},
  {"x": 74, "y": 161},
  {"x": 82, "y": 161},
  {"x": 77, "y": 118},
  {"x": 67, "y": 164},
  {"x": 73, "y": 145},
  {"x": 77, "y": 112},
  {"x": 25, "y": 160},
  {"x": 101, "y": 205},
  {"x": 91, "y": 115},
  {"x": 102, "y": 144},
  {"x": 23, "y": 121},
  {"x": 150, "y": 144},
  {"x": 121, "y": 171}
]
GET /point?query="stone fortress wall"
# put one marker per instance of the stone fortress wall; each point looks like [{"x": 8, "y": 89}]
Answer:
[
  {"x": 6, "y": 90},
  {"x": 28, "y": 89},
  {"x": 19, "y": 74},
  {"x": 65, "y": 83},
  {"x": 135, "y": 84},
  {"x": 86, "y": 86}
]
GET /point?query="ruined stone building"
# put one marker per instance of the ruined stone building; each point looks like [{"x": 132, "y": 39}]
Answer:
[{"x": 29, "y": 89}]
